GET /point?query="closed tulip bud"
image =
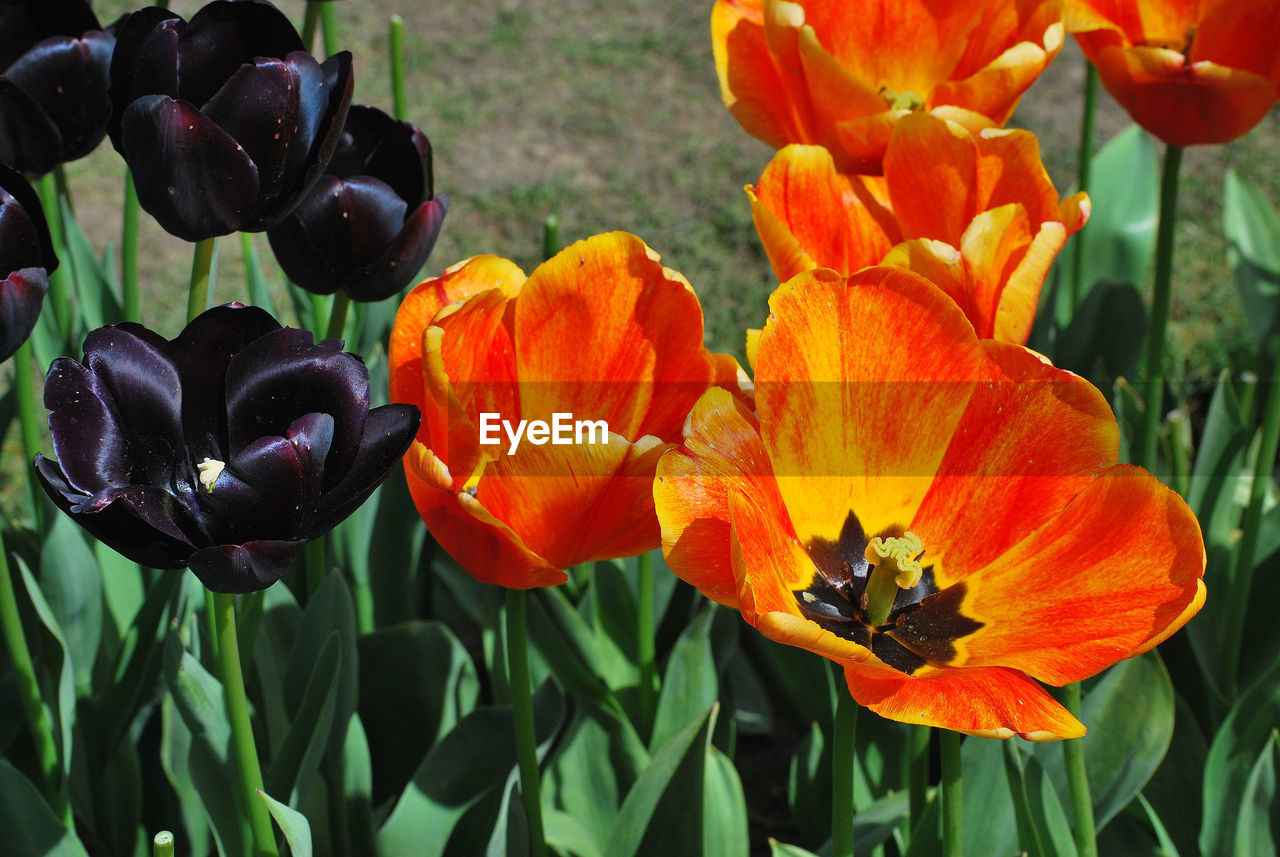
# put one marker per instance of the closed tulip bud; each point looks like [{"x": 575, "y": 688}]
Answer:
[{"x": 26, "y": 258}]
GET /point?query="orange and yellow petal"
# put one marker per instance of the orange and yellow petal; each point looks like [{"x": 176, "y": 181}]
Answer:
[
  {"x": 931, "y": 169},
  {"x": 420, "y": 307},
  {"x": 810, "y": 216},
  {"x": 604, "y": 331},
  {"x": 488, "y": 549},
  {"x": 1004, "y": 475},
  {"x": 577, "y": 502},
  {"x": 721, "y": 452},
  {"x": 1119, "y": 569},
  {"x": 990, "y": 702},
  {"x": 860, "y": 383}
]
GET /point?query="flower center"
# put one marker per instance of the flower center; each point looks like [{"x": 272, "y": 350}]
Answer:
[
  {"x": 896, "y": 565},
  {"x": 901, "y": 100},
  {"x": 210, "y": 469}
]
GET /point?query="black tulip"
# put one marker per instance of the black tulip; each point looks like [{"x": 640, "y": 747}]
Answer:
[
  {"x": 369, "y": 224},
  {"x": 225, "y": 120},
  {"x": 26, "y": 260},
  {"x": 224, "y": 450},
  {"x": 54, "y": 76}
]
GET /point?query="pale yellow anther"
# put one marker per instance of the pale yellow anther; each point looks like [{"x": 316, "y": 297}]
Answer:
[
  {"x": 901, "y": 99},
  {"x": 900, "y": 556},
  {"x": 210, "y": 469}
]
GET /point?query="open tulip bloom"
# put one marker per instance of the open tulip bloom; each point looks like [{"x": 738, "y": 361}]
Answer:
[
  {"x": 225, "y": 450},
  {"x": 1190, "y": 73},
  {"x": 225, "y": 120},
  {"x": 974, "y": 213},
  {"x": 840, "y": 73},
  {"x": 943, "y": 516},
  {"x": 602, "y": 335}
]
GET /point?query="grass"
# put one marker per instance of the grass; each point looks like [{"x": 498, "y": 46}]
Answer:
[{"x": 610, "y": 117}]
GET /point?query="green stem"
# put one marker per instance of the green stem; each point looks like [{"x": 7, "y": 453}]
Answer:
[
  {"x": 1241, "y": 583},
  {"x": 316, "y": 567},
  {"x": 33, "y": 706},
  {"x": 952, "y": 795},
  {"x": 645, "y": 643},
  {"x": 162, "y": 845},
  {"x": 1083, "y": 170},
  {"x": 224, "y": 620},
  {"x": 320, "y": 315},
  {"x": 338, "y": 315},
  {"x": 550, "y": 236},
  {"x": 310, "y": 19},
  {"x": 842, "y": 749},
  {"x": 522, "y": 707},
  {"x": 329, "y": 26},
  {"x": 918, "y": 774},
  {"x": 129, "y": 251},
  {"x": 1160, "y": 306},
  {"x": 1078, "y": 780},
  {"x": 60, "y": 282},
  {"x": 398, "y": 100},
  {"x": 24, "y": 394},
  {"x": 64, "y": 189},
  {"x": 201, "y": 268}
]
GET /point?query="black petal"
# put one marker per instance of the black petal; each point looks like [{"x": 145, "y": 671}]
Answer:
[
  {"x": 21, "y": 294},
  {"x": 244, "y": 568}
]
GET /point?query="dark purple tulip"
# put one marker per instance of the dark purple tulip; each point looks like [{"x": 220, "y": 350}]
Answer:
[
  {"x": 54, "y": 76},
  {"x": 369, "y": 224},
  {"x": 26, "y": 259},
  {"x": 225, "y": 120},
  {"x": 225, "y": 450}
]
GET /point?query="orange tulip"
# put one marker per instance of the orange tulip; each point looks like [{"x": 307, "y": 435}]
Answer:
[
  {"x": 943, "y": 516},
  {"x": 602, "y": 332},
  {"x": 1189, "y": 71},
  {"x": 975, "y": 213},
  {"x": 840, "y": 73}
]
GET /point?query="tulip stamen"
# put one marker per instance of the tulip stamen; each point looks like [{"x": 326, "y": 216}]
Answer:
[
  {"x": 896, "y": 565},
  {"x": 901, "y": 100},
  {"x": 210, "y": 469}
]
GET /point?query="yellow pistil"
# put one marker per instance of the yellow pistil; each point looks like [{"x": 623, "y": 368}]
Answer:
[
  {"x": 210, "y": 469},
  {"x": 896, "y": 562},
  {"x": 904, "y": 100}
]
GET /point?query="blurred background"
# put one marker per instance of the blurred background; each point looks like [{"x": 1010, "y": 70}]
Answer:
[{"x": 608, "y": 115}]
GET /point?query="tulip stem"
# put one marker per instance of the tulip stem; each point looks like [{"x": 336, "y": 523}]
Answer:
[
  {"x": 1084, "y": 169},
  {"x": 201, "y": 268},
  {"x": 316, "y": 568},
  {"x": 60, "y": 282},
  {"x": 645, "y": 643},
  {"x": 37, "y": 713},
  {"x": 952, "y": 795},
  {"x": 338, "y": 315},
  {"x": 550, "y": 236},
  {"x": 396, "y": 48},
  {"x": 1078, "y": 780},
  {"x": 129, "y": 250},
  {"x": 328, "y": 26},
  {"x": 522, "y": 708},
  {"x": 224, "y": 627},
  {"x": 24, "y": 393},
  {"x": 844, "y": 732},
  {"x": 310, "y": 19},
  {"x": 162, "y": 845},
  {"x": 917, "y": 774},
  {"x": 1241, "y": 583},
  {"x": 1160, "y": 306}
]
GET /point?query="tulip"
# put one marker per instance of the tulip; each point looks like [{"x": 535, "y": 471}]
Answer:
[
  {"x": 26, "y": 259},
  {"x": 224, "y": 450},
  {"x": 1190, "y": 73},
  {"x": 975, "y": 213},
  {"x": 225, "y": 120},
  {"x": 945, "y": 517},
  {"x": 368, "y": 225},
  {"x": 840, "y": 73},
  {"x": 54, "y": 76},
  {"x": 599, "y": 333}
]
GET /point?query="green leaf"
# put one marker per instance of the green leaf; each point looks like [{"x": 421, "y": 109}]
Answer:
[
  {"x": 94, "y": 282},
  {"x": 1043, "y": 828},
  {"x": 613, "y": 611},
  {"x": 689, "y": 686},
  {"x": 780, "y": 849},
  {"x": 330, "y": 610},
  {"x": 296, "y": 763},
  {"x": 416, "y": 682},
  {"x": 30, "y": 827},
  {"x": 175, "y": 748},
  {"x": 1169, "y": 791},
  {"x": 72, "y": 586},
  {"x": 1108, "y": 328},
  {"x": 297, "y": 832},
  {"x": 1234, "y": 754},
  {"x": 256, "y": 282},
  {"x": 277, "y": 632},
  {"x": 1252, "y": 229},
  {"x": 1259, "y": 812},
  {"x": 986, "y": 797},
  {"x": 567, "y": 642},
  {"x": 1162, "y": 835},
  {"x": 57, "y": 660},
  {"x": 663, "y": 810},
  {"x": 1129, "y": 715},
  {"x": 566, "y": 834},
  {"x": 122, "y": 589},
  {"x": 809, "y": 785},
  {"x": 357, "y": 789},
  {"x": 876, "y": 822},
  {"x": 724, "y": 809}
]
